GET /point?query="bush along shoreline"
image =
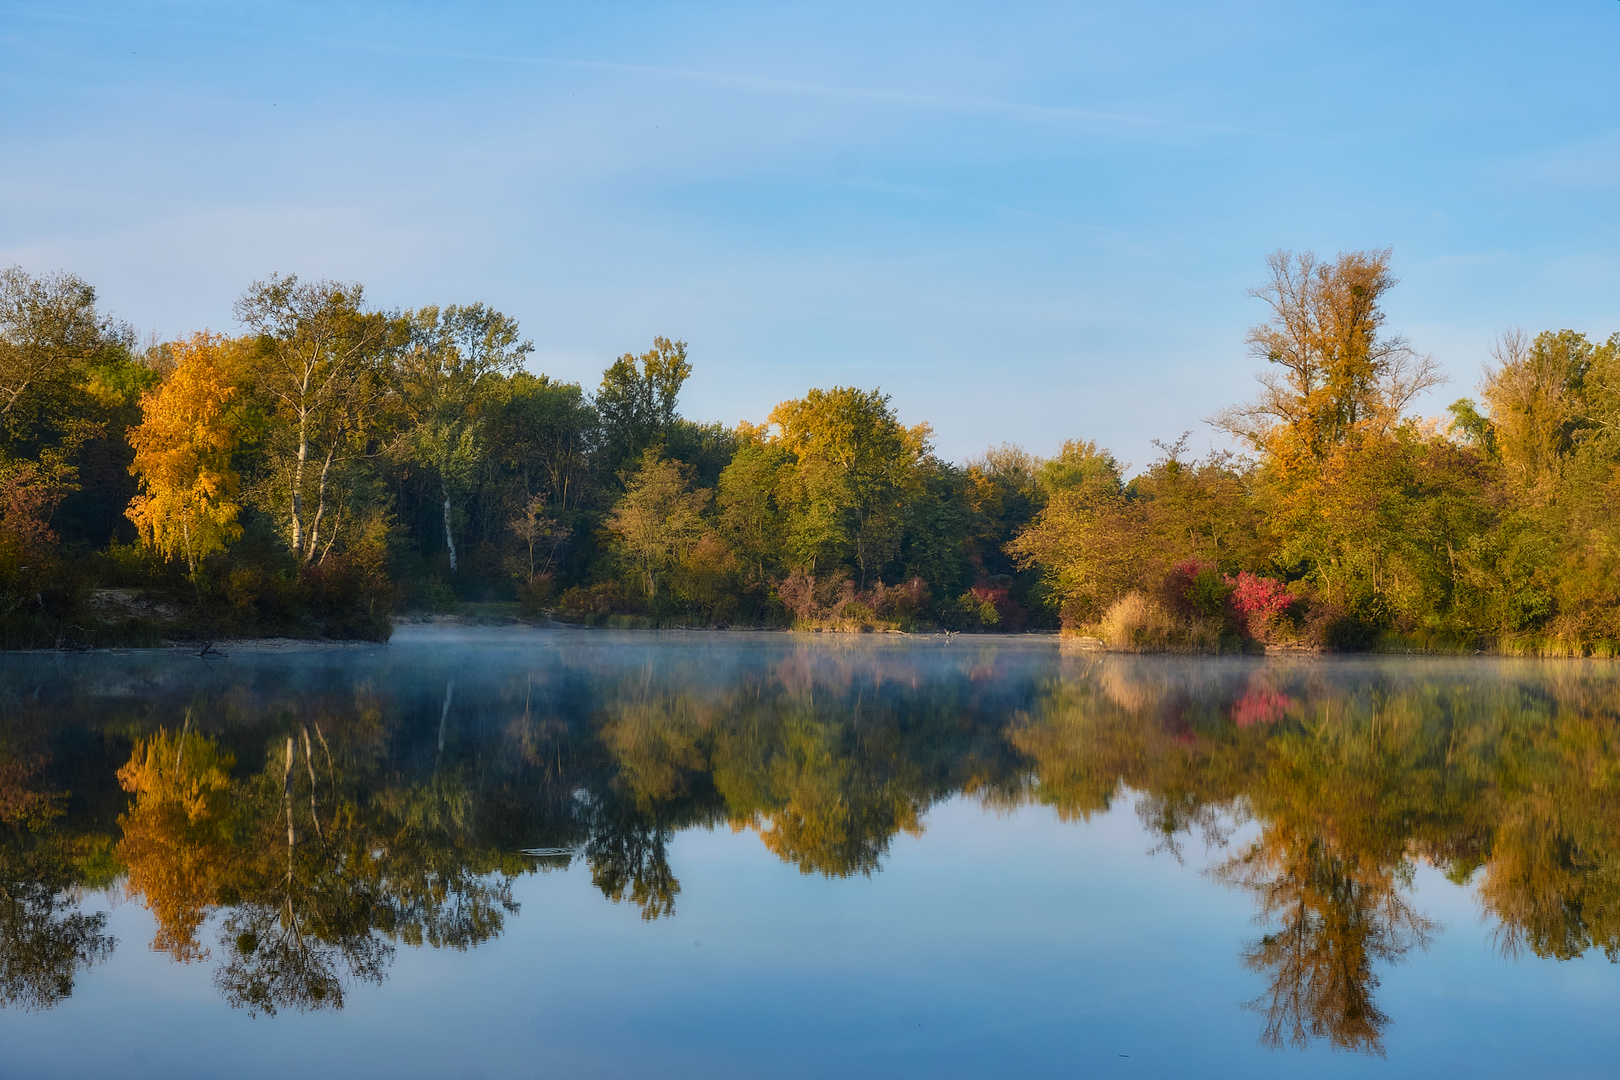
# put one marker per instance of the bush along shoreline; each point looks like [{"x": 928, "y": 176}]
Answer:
[{"x": 325, "y": 467}]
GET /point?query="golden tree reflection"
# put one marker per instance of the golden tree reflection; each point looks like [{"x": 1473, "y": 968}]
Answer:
[
  {"x": 315, "y": 886},
  {"x": 177, "y": 836}
]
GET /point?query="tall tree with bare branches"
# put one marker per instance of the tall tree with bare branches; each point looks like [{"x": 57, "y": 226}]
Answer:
[{"x": 1334, "y": 371}]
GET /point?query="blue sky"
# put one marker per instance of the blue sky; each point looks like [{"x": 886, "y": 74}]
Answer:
[{"x": 1027, "y": 222}]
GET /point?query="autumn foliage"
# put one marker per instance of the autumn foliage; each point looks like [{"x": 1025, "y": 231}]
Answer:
[
  {"x": 188, "y": 501},
  {"x": 335, "y": 464}
]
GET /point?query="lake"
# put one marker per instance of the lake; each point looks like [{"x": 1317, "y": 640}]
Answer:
[{"x": 585, "y": 853}]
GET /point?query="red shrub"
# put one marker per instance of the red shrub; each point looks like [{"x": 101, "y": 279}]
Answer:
[
  {"x": 1256, "y": 595},
  {"x": 810, "y": 599},
  {"x": 1259, "y": 602},
  {"x": 798, "y": 594}
]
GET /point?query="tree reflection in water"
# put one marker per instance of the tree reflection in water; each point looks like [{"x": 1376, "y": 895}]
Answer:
[
  {"x": 1353, "y": 773},
  {"x": 317, "y": 818},
  {"x": 45, "y": 940},
  {"x": 1334, "y": 918}
]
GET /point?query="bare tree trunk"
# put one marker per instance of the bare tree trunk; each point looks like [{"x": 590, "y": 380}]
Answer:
[
  {"x": 298, "y": 483},
  {"x": 860, "y": 546},
  {"x": 331, "y": 770},
  {"x": 337, "y": 527},
  {"x": 179, "y": 751},
  {"x": 449, "y": 541},
  {"x": 320, "y": 505}
]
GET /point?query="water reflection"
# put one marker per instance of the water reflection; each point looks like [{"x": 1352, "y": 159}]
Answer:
[
  {"x": 1353, "y": 773},
  {"x": 44, "y": 940},
  {"x": 293, "y": 821}
]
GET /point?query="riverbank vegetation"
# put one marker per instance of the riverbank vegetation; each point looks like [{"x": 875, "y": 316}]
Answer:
[{"x": 329, "y": 465}]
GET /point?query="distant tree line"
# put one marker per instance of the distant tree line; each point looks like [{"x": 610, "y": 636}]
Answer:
[{"x": 332, "y": 464}]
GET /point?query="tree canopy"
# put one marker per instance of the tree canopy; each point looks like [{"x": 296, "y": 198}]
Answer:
[{"x": 331, "y": 464}]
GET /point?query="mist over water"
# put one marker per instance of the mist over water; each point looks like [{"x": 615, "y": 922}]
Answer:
[{"x": 713, "y": 854}]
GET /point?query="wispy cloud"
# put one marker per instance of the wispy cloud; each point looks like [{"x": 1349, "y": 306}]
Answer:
[{"x": 963, "y": 105}]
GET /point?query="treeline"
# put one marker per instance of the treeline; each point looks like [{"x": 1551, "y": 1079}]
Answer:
[
  {"x": 331, "y": 465},
  {"x": 334, "y": 464}
]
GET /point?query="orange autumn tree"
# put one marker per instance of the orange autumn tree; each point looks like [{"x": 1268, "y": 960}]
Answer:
[{"x": 188, "y": 502}]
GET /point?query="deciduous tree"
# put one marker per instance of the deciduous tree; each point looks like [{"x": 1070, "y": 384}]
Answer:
[
  {"x": 1087, "y": 540},
  {"x": 658, "y": 518},
  {"x": 445, "y": 375},
  {"x": 188, "y": 504},
  {"x": 1335, "y": 371},
  {"x": 637, "y": 399},
  {"x": 855, "y": 466},
  {"x": 49, "y": 328},
  {"x": 321, "y": 364}
]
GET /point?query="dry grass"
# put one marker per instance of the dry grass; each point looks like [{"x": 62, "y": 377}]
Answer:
[
  {"x": 1549, "y": 647},
  {"x": 1137, "y": 624}
]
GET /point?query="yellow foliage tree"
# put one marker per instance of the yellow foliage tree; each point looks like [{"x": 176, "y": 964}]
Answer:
[
  {"x": 183, "y": 446},
  {"x": 658, "y": 519},
  {"x": 1336, "y": 373}
]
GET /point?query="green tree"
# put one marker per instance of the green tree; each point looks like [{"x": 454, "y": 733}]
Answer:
[
  {"x": 446, "y": 373},
  {"x": 1080, "y": 463},
  {"x": 542, "y": 433},
  {"x": 65, "y": 372},
  {"x": 1201, "y": 510},
  {"x": 637, "y": 398},
  {"x": 935, "y": 526},
  {"x": 1388, "y": 527},
  {"x": 658, "y": 519},
  {"x": 1535, "y": 400},
  {"x": 750, "y": 516},
  {"x": 1003, "y": 493},
  {"x": 855, "y": 467},
  {"x": 1087, "y": 540},
  {"x": 321, "y": 364},
  {"x": 49, "y": 332}
]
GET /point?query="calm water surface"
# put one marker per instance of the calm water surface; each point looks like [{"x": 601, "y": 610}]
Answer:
[{"x": 577, "y": 853}]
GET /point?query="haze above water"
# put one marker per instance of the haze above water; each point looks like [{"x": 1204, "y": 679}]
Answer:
[{"x": 581, "y": 853}]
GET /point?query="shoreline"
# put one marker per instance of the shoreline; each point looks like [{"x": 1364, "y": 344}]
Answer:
[{"x": 221, "y": 648}]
